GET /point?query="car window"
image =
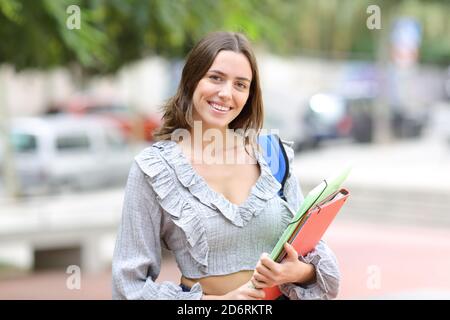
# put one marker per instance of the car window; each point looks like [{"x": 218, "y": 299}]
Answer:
[
  {"x": 23, "y": 142},
  {"x": 72, "y": 143}
]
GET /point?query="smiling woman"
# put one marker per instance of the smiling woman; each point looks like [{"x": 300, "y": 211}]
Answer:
[
  {"x": 222, "y": 93},
  {"x": 218, "y": 219},
  {"x": 222, "y": 65}
]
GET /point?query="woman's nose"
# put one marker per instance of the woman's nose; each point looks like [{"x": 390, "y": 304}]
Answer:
[{"x": 225, "y": 91}]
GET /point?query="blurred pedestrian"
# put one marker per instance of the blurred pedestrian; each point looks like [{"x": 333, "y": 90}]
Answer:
[{"x": 217, "y": 217}]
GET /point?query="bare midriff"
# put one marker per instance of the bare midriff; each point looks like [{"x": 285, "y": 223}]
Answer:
[{"x": 220, "y": 285}]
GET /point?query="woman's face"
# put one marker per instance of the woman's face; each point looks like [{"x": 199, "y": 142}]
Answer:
[{"x": 223, "y": 91}]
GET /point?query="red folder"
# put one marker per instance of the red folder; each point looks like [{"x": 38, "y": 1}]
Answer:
[{"x": 311, "y": 229}]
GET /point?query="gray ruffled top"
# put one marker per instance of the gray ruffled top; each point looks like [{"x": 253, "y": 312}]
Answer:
[{"x": 168, "y": 204}]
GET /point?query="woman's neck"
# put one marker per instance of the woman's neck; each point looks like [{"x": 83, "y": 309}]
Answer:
[{"x": 213, "y": 145}]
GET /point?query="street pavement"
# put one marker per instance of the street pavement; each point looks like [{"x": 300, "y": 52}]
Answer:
[{"x": 382, "y": 261}]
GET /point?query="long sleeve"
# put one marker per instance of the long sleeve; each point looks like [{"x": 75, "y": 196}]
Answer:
[
  {"x": 322, "y": 257},
  {"x": 137, "y": 254},
  {"x": 327, "y": 276}
]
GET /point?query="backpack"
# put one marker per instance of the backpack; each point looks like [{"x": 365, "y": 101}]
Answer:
[{"x": 275, "y": 156}]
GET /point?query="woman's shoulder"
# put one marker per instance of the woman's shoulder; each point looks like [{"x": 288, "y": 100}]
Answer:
[
  {"x": 156, "y": 167},
  {"x": 154, "y": 148},
  {"x": 150, "y": 160},
  {"x": 165, "y": 164}
]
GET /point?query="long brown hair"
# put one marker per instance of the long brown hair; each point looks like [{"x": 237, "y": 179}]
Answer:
[{"x": 178, "y": 109}]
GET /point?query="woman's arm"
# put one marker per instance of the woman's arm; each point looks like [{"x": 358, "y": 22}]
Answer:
[
  {"x": 327, "y": 276},
  {"x": 137, "y": 255}
]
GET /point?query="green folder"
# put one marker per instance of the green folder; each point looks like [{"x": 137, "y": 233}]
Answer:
[{"x": 315, "y": 196}]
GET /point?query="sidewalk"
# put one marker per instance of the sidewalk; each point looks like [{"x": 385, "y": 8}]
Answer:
[{"x": 380, "y": 261}]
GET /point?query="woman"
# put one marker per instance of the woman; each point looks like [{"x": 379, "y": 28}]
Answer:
[{"x": 213, "y": 204}]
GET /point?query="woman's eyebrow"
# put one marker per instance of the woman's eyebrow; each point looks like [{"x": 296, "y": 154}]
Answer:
[{"x": 223, "y": 74}]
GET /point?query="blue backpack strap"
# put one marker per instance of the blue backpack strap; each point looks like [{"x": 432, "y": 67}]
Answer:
[{"x": 275, "y": 156}]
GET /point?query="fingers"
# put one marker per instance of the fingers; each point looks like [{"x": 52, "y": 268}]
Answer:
[
  {"x": 267, "y": 262},
  {"x": 272, "y": 273},
  {"x": 290, "y": 250},
  {"x": 251, "y": 293},
  {"x": 258, "y": 284},
  {"x": 260, "y": 281},
  {"x": 263, "y": 271},
  {"x": 255, "y": 294}
]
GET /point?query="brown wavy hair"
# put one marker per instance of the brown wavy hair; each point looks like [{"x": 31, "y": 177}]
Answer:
[{"x": 177, "y": 112}]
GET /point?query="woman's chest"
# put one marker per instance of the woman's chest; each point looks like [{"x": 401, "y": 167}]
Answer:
[
  {"x": 233, "y": 181},
  {"x": 260, "y": 232}
]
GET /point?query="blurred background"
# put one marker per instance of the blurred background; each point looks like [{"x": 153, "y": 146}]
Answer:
[{"x": 365, "y": 82}]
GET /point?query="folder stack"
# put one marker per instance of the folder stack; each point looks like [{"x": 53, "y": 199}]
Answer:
[{"x": 307, "y": 227}]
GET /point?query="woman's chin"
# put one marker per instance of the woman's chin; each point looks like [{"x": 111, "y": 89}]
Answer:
[{"x": 212, "y": 122}]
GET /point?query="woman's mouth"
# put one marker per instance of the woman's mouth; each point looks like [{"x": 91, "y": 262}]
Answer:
[{"x": 218, "y": 108}]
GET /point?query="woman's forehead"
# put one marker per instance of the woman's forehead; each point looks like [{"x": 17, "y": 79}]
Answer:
[{"x": 232, "y": 64}]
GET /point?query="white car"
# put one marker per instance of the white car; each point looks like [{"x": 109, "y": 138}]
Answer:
[{"x": 57, "y": 153}]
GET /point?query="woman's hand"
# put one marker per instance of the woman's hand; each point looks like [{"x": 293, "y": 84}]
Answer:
[
  {"x": 244, "y": 292},
  {"x": 269, "y": 273}
]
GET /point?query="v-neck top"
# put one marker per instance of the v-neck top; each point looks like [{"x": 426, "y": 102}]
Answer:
[{"x": 168, "y": 204}]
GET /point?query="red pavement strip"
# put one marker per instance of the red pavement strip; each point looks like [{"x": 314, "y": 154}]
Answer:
[
  {"x": 375, "y": 261},
  {"x": 378, "y": 260}
]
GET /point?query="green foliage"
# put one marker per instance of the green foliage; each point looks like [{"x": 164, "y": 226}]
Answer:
[
  {"x": 115, "y": 32},
  {"x": 34, "y": 34}
]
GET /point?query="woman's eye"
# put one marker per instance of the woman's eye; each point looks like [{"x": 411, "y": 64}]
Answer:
[
  {"x": 215, "y": 78},
  {"x": 242, "y": 85}
]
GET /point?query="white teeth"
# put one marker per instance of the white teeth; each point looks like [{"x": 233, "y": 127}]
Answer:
[{"x": 221, "y": 108}]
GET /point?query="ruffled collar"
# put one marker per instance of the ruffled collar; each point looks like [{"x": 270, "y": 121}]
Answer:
[{"x": 265, "y": 188}]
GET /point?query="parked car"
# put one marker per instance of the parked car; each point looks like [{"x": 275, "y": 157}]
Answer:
[
  {"x": 56, "y": 153},
  {"x": 330, "y": 116},
  {"x": 333, "y": 116},
  {"x": 134, "y": 125}
]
